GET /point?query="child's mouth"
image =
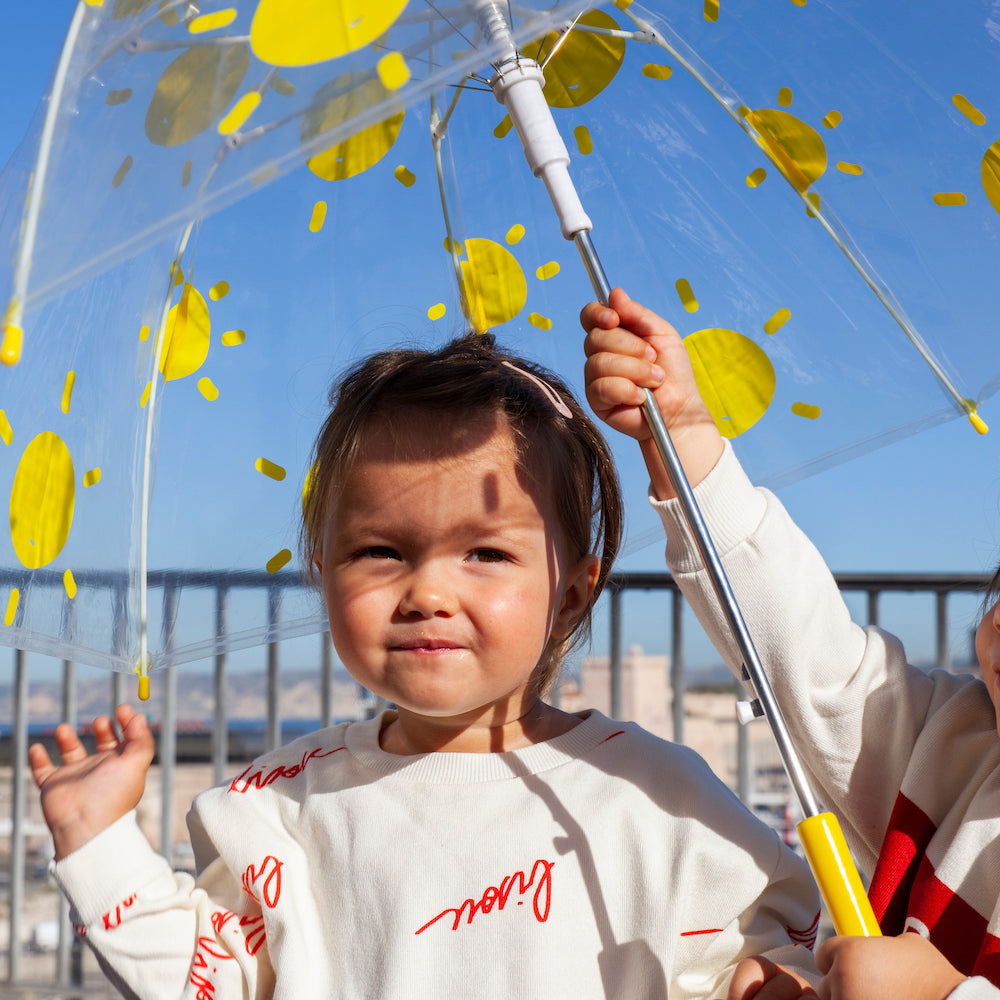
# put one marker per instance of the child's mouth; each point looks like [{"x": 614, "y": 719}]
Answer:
[{"x": 425, "y": 645}]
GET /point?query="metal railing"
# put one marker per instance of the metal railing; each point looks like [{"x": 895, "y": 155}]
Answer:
[{"x": 66, "y": 973}]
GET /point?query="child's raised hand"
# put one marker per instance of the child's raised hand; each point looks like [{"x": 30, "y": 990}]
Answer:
[
  {"x": 758, "y": 978},
  {"x": 88, "y": 792},
  {"x": 858, "y": 968},
  {"x": 629, "y": 348}
]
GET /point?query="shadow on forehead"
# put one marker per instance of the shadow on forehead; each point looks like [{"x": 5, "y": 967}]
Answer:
[{"x": 408, "y": 433}]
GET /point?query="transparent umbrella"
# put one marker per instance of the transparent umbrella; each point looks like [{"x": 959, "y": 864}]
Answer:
[{"x": 221, "y": 204}]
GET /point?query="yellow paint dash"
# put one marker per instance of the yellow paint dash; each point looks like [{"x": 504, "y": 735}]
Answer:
[
  {"x": 233, "y": 338},
  {"x": 67, "y": 395},
  {"x": 539, "y": 321},
  {"x": 584, "y": 143},
  {"x": 949, "y": 198},
  {"x": 755, "y": 177},
  {"x": 436, "y": 311},
  {"x": 270, "y": 469},
  {"x": 318, "y": 217},
  {"x": 548, "y": 270},
  {"x": 12, "y": 601},
  {"x": 218, "y": 291},
  {"x": 850, "y": 168},
  {"x": 515, "y": 234},
  {"x": 686, "y": 296},
  {"x": 404, "y": 175},
  {"x": 832, "y": 119},
  {"x": 655, "y": 71},
  {"x": 69, "y": 583},
  {"x": 969, "y": 109},
  {"x": 121, "y": 172},
  {"x": 777, "y": 321},
  {"x": 91, "y": 477},
  {"x": 209, "y": 22},
  {"x": 278, "y": 560},
  {"x": 241, "y": 111},
  {"x": 208, "y": 389},
  {"x": 6, "y": 431},
  {"x": 806, "y": 410},
  {"x": 393, "y": 71}
]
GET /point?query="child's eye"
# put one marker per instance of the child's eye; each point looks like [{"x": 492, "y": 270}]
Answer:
[
  {"x": 489, "y": 555},
  {"x": 377, "y": 552}
]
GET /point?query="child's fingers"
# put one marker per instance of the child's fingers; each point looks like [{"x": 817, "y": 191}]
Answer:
[
  {"x": 758, "y": 978},
  {"x": 105, "y": 737},
  {"x": 617, "y": 340},
  {"x": 631, "y": 363},
  {"x": 636, "y": 317},
  {"x": 70, "y": 748},
  {"x": 137, "y": 740},
  {"x": 595, "y": 315},
  {"x": 40, "y": 763}
]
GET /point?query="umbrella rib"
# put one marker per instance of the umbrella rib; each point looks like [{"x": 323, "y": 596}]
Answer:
[{"x": 826, "y": 217}]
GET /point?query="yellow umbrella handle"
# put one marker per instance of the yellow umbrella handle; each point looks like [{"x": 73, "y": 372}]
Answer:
[{"x": 837, "y": 878}]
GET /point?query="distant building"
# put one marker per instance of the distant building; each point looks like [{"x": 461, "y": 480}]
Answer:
[{"x": 646, "y": 692}]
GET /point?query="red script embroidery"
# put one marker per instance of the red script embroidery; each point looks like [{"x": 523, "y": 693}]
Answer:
[
  {"x": 267, "y": 879},
  {"x": 261, "y": 779},
  {"x": 498, "y": 896}
]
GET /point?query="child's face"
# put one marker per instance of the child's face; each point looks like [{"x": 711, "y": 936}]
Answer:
[
  {"x": 445, "y": 574},
  {"x": 988, "y": 654}
]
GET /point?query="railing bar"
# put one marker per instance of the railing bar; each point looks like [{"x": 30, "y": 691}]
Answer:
[
  {"x": 67, "y": 936},
  {"x": 616, "y": 653},
  {"x": 325, "y": 680},
  {"x": 273, "y": 673},
  {"x": 941, "y": 630},
  {"x": 873, "y": 606},
  {"x": 168, "y": 726},
  {"x": 220, "y": 727},
  {"x": 18, "y": 813},
  {"x": 677, "y": 681}
]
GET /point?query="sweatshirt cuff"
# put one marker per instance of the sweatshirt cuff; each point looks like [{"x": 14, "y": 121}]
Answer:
[
  {"x": 109, "y": 868},
  {"x": 730, "y": 505},
  {"x": 975, "y": 988}
]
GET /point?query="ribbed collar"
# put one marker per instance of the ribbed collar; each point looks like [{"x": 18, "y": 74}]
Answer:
[{"x": 444, "y": 768}]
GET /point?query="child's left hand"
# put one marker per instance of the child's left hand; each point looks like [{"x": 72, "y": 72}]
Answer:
[
  {"x": 758, "y": 978},
  {"x": 858, "y": 968},
  {"x": 854, "y": 968}
]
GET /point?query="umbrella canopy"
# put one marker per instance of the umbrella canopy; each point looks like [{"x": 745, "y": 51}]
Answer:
[{"x": 219, "y": 207}]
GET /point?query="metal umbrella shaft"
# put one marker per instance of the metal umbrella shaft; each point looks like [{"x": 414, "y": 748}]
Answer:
[{"x": 517, "y": 84}]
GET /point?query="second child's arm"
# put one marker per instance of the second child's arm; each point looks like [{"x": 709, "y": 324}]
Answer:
[{"x": 630, "y": 348}]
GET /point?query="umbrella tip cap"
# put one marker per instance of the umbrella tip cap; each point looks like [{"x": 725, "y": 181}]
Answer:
[
  {"x": 978, "y": 422},
  {"x": 144, "y": 687},
  {"x": 10, "y": 347}
]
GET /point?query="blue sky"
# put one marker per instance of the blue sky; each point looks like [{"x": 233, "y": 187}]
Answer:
[{"x": 928, "y": 503}]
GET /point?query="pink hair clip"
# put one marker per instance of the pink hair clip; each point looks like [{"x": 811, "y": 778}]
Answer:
[{"x": 550, "y": 393}]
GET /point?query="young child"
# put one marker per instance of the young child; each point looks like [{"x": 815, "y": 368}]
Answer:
[
  {"x": 473, "y": 841},
  {"x": 909, "y": 761}
]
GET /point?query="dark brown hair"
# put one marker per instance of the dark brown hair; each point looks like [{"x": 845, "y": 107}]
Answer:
[{"x": 469, "y": 377}]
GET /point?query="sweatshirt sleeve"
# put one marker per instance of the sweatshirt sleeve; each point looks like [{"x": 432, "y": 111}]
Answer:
[
  {"x": 157, "y": 932},
  {"x": 975, "y": 988},
  {"x": 780, "y": 924},
  {"x": 853, "y": 706}
]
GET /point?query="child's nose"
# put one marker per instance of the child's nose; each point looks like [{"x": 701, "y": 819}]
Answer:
[{"x": 427, "y": 593}]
